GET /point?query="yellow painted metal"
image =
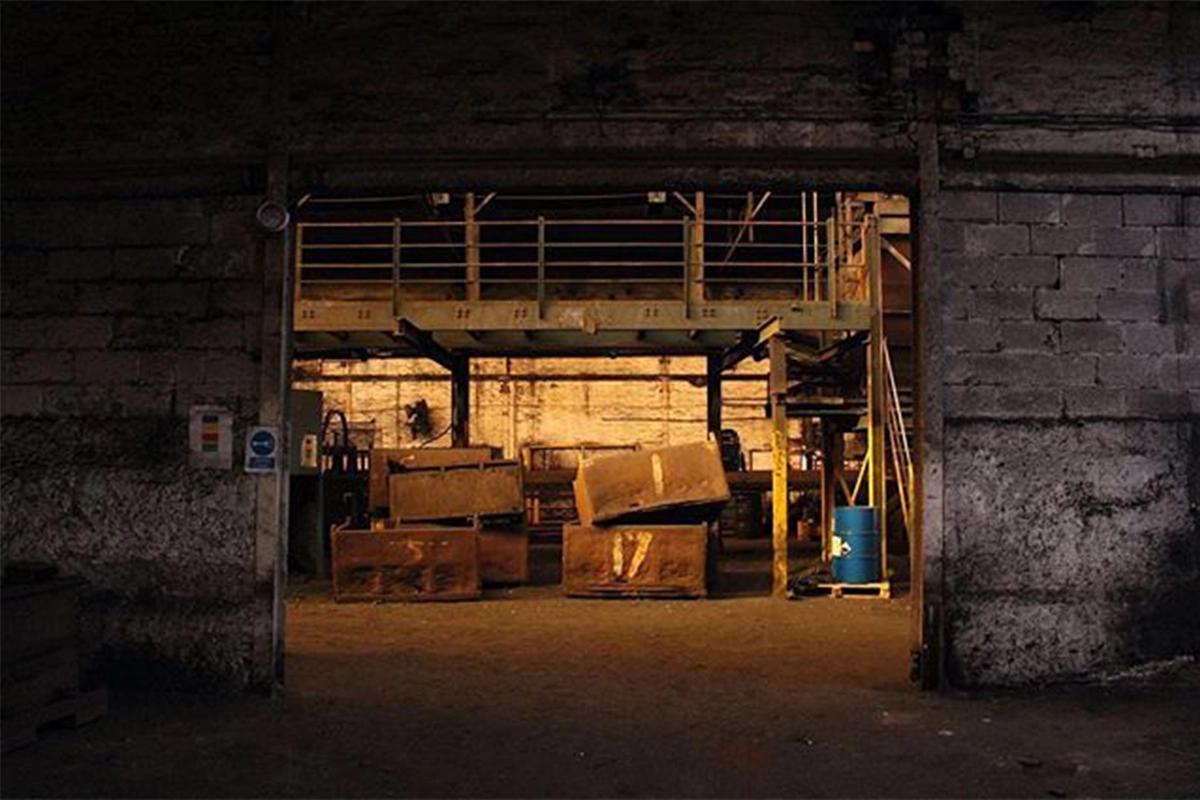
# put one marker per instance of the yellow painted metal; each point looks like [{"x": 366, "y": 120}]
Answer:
[
  {"x": 777, "y": 348},
  {"x": 876, "y": 386}
]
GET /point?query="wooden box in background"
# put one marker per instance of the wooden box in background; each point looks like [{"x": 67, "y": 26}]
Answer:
[
  {"x": 418, "y": 458},
  {"x": 493, "y": 488}
]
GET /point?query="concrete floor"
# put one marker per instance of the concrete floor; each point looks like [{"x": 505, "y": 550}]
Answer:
[{"x": 527, "y": 694}]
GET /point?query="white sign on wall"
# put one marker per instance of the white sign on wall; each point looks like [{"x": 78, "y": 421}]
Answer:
[{"x": 210, "y": 437}]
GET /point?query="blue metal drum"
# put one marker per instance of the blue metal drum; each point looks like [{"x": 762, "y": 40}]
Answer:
[{"x": 855, "y": 547}]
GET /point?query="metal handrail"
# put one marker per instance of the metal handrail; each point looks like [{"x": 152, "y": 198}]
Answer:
[
  {"x": 901, "y": 453},
  {"x": 453, "y": 252}
]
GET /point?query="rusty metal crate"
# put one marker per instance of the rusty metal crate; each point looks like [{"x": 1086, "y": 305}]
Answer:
[
  {"x": 635, "y": 561},
  {"x": 504, "y": 554},
  {"x": 418, "y": 458},
  {"x": 631, "y": 486},
  {"x": 493, "y": 488},
  {"x": 406, "y": 563}
]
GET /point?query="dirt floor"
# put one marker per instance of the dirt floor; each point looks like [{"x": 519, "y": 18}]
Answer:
[{"x": 529, "y": 694}]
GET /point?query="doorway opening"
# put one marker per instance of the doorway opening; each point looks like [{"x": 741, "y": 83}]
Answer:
[{"x": 545, "y": 331}]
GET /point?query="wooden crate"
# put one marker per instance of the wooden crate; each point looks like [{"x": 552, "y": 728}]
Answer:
[
  {"x": 37, "y": 680},
  {"x": 417, "y": 458},
  {"x": 635, "y": 561},
  {"x": 22, "y": 729},
  {"x": 38, "y": 617},
  {"x": 406, "y": 563},
  {"x": 493, "y": 488},
  {"x": 629, "y": 487},
  {"x": 504, "y": 555}
]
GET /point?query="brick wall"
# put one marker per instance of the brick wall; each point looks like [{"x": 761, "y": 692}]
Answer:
[
  {"x": 1072, "y": 364},
  {"x": 117, "y": 317}
]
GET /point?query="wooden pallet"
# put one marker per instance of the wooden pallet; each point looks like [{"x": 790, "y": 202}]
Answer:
[
  {"x": 20, "y": 730},
  {"x": 883, "y": 590}
]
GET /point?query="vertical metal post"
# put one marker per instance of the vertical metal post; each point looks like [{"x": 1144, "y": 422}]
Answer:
[
  {"x": 541, "y": 268},
  {"x": 471, "y": 238},
  {"x": 876, "y": 385},
  {"x": 298, "y": 265},
  {"x": 832, "y": 449},
  {"x": 396, "y": 267},
  {"x": 460, "y": 402},
  {"x": 696, "y": 268},
  {"x": 804, "y": 226},
  {"x": 270, "y": 492},
  {"x": 688, "y": 258},
  {"x": 831, "y": 266},
  {"x": 777, "y": 349},
  {"x": 713, "y": 384}
]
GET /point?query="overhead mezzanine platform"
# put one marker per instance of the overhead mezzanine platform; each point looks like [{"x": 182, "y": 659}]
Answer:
[{"x": 689, "y": 275}]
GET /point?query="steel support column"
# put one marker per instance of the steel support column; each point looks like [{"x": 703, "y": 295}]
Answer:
[
  {"x": 713, "y": 385},
  {"x": 876, "y": 386},
  {"x": 460, "y": 402},
  {"x": 832, "y": 454},
  {"x": 777, "y": 349}
]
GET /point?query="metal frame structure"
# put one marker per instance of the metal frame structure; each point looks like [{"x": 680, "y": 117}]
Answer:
[{"x": 453, "y": 289}]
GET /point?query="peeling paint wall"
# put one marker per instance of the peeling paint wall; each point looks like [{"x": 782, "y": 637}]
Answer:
[{"x": 519, "y": 402}]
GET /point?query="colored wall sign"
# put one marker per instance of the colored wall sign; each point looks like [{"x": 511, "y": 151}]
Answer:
[
  {"x": 262, "y": 449},
  {"x": 210, "y": 437}
]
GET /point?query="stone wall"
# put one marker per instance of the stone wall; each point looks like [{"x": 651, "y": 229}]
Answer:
[
  {"x": 117, "y": 318},
  {"x": 1072, "y": 364}
]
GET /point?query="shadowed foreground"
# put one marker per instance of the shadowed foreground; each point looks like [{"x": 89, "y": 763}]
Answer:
[{"x": 527, "y": 694}]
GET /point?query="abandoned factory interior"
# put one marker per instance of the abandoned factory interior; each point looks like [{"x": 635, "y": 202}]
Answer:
[{"x": 576, "y": 399}]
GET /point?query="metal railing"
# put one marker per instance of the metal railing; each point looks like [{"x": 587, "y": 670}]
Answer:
[
  {"x": 533, "y": 259},
  {"x": 902, "y": 461}
]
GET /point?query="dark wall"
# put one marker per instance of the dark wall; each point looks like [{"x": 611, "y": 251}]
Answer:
[{"x": 1058, "y": 169}]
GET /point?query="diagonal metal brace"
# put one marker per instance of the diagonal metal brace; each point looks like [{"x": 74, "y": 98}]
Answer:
[{"x": 424, "y": 343}]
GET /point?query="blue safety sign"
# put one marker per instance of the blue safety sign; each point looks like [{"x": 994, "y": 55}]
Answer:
[{"x": 262, "y": 450}]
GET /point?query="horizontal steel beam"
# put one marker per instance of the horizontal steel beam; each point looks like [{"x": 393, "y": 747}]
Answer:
[{"x": 588, "y": 317}]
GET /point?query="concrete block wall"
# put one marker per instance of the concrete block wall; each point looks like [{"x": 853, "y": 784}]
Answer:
[
  {"x": 1072, "y": 364},
  {"x": 118, "y": 317}
]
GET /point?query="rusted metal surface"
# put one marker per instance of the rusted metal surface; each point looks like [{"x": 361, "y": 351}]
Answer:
[
  {"x": 406, "y": 563},
  {"x": 504, "y": 555},
  {"x": 417, "y": 458},
  {"x": 635, "y": 561},
  {"x": 490, "y": 489},
  {"x": 628, "y": 486}
]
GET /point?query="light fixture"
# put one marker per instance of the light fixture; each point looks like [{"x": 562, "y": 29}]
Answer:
[{"x": 272, "y": 216}]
